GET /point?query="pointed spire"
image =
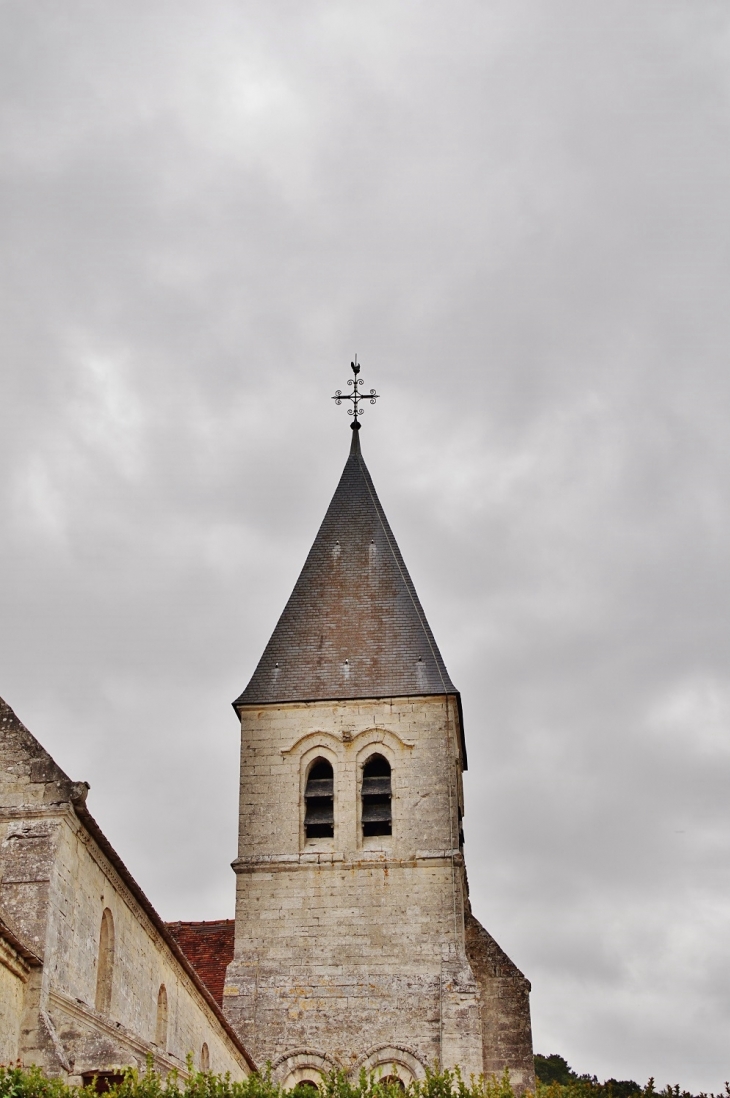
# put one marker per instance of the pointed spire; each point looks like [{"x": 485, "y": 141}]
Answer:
[{"x": 353, "y": 626}]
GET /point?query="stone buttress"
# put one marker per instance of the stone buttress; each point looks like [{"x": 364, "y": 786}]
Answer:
[{"x": 354, "y": 944}]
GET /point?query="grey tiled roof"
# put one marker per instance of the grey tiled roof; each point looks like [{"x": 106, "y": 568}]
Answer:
[{"x": 353, "y": 626}]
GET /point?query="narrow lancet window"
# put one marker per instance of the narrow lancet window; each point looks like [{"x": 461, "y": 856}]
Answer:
[
  {"x": 161, "y": 1024},
  {"x": 105, "y": 964},
  {"x": 319, "y": 795},
  {"x": 204, "y": 1058},
  {"x": 376, "y": 797}
]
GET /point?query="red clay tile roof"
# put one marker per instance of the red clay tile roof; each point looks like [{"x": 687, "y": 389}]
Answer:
[{"x": 208, "y": 947}]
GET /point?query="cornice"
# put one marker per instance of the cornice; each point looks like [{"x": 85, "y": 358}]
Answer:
[{"x": 367, "y": 859}]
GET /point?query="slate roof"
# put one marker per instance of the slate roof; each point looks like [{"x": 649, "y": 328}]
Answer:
[
  {"x": 353, "y": 626},
  {"x": 208, "y": 947}
]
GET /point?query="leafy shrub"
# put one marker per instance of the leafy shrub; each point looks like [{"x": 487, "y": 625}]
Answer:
[
  {"x": 555, "y": 1079},
  {"x": 17, "y": 1082}
]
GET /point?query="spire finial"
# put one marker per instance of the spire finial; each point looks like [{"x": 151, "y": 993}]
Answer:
[{"x": 355, "y": 396}]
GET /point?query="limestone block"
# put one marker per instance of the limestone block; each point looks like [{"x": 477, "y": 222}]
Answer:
[{"x": 340, "y": 942}]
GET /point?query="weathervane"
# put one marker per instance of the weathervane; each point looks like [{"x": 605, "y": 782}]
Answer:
[{"x": 355, "y": 396}]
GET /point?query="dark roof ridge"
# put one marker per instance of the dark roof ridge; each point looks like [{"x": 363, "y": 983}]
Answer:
[{"x": 198, "y": 922}]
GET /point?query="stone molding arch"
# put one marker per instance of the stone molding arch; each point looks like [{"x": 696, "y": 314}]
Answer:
[
  {"x": 397, "y": 1060},
  {"x": 326, "y": 739},
  {"x": 384, "y": 736},
  {"x": 318, "y": 749},
  {"x": 302, "y": 1064},
  {"x": 374, "y": 747},
  {"x": 338, "y": 742},
  {"x": 347, "y": 752}
]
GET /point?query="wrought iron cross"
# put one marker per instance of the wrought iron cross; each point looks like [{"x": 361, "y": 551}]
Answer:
[{"x": 355, "y": 396}]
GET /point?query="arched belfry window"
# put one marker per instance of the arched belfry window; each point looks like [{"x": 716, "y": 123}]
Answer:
[
  {"x": 319, "y": 795},
  {"x": 377, "y": 817},
  {"x": 105, "y": 964}
]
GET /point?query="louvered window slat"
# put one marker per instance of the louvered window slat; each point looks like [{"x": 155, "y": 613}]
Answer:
[
  {"x": 375, "y": 786},
  {"x": 372, "y": 812},
  {"x": 320, "y": 787},
  {"x": 319, "y": 818},
  {"x": 318, "y": 813},
  {"x": 376, "y": 793}
]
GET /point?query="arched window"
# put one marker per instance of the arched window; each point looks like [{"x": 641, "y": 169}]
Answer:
[
  {"x": 319, "y": 818},
  {"x": 392, "y": 1081},
  {"x": 105, "y": 964},
  {"x": 376, "y": 797},
  {"x": 161, "y": 1023},
  {"x": 204, "y": 1058}
]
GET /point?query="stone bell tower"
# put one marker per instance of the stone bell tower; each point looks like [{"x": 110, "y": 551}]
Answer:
[{"x": 355, "y": 944}]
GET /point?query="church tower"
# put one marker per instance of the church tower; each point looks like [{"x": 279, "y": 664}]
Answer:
[{"x": 355, "y": 945}]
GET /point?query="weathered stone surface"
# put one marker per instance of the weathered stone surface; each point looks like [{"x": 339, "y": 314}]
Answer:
[
  {"x": 352, "y": 949},
  {"x": 58, "y": 875},
  {"x": 17, "y": 965},
  {"x": 351, "y": 945},
  {"x": 505, "y": 1007},
  {"x": 356, "y": 950}
]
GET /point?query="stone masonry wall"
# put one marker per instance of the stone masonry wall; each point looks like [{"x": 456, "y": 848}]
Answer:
[
  {"x": 83, "y": 887},
  {"x": 55, "y": 884},
  {"x": 505, "y": 1008},
  {"x": 352, "y": 948},
  {"x": 14, "y": 973}
]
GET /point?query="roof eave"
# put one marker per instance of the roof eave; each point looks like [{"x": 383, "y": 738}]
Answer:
[
  {"x": 92, "y": 827},
  {"x": 239, "y": 704}
]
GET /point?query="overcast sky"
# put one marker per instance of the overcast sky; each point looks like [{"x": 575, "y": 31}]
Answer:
[{"x": 517, "y": 213}]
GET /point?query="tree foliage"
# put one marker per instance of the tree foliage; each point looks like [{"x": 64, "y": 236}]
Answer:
[{"x": 556, "y": 1079}]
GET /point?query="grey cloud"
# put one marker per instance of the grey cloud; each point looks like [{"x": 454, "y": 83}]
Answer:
[{"x": 517, "y": 215}]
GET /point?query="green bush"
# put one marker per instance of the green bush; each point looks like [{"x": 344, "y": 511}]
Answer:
[
  {"x": 555, "y": 1079},
  {"x": 16, "y": 1082}
]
